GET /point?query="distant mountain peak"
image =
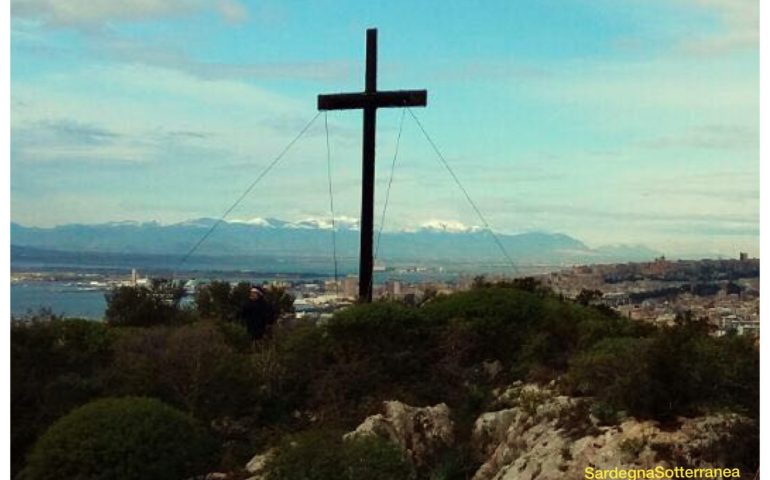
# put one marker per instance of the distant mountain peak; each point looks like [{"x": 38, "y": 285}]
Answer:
[
  {"x": 256, "y": 221},
  {"x": 435, "y": 240},
  {"x": 123, "y": 223},
  {"x": 196, "y": 222},
  {"x": 342, "y": 222},
  {"x": 449, "y": 226}
]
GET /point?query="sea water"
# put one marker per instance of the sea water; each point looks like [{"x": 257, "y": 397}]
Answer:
[{"x": 61, "y": 297}]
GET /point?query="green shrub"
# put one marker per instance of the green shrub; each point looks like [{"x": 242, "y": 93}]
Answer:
[
  {"x": 56, "y": 365},
  {"x": 430, "y": 354},
  {"x": 736, "y": 444},
  {"x": 369, "y": 353},
  {"x": 235, "y": 336},
  {"x": 605, "y": 413},
  {"x": 190, "y": 366},
  {"x": 221, "y": 301},
  {"x": 575, "y": 421},
  {"x": 323, "y": 455},
  {"x": 457, "y": 464},
  {"x": 616, "y": 373},
  {"x": 144, "y": 306},
  {"x": 122, "y": 438},
  {"x": 675, "y": 371},
  {"x": 394, "y": 325}
]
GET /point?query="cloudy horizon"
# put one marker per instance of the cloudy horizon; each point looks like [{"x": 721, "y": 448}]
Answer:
[{"x": 631, "y": 122}]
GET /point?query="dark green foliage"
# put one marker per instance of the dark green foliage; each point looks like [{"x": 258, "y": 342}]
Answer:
[
  {"x": 605, "y": 413},
  {"x": 525, "y": 284},
  {"x": 122, "y": 438},
  {"x": 454, "y": 465},
  {"x": 191, "y": 366},
  {"x": 235, "y": 336},
  {"x": 494, "y": 320},
  {"x": 612, "y": 370},
  {"x": 575, "y": 420},
  {"x": 430, "y": 354},
  {"x": 56, "y": 365},
  {"x": 737, "y": 445},
  {"x": 678, "y": 370},
  {"x": 333, "y": 376},
  {"x": 144, "y": 306},
  {"x": 279, "y": 299},
  {"x": 323, "y": 455},
  {"x": 526, "y": 331},
  {"x": 364, "y": 355},
  {"x": 587, "y": 295},
  {"x": 219, "y": 300},
  {"x": 735, "y": 442}
]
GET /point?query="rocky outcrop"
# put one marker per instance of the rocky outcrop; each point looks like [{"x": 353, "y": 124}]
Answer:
[
  {"x": 257, "y": 465},
  {"x": 421, "y": 432},
  {"x": 536, "y": 434},
  {"x": 545, "y": 436}
]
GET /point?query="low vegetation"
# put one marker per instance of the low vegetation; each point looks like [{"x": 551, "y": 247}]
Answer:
[
  {"x": 128, "y": 438},
  {"x": 328, "y": 378},
  {"x": 324, "y": 455}
]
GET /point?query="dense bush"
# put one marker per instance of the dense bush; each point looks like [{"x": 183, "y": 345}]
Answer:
[
  {"x": 334, "y": 375},
  {"x": 279, "y": 300},
  {"x": 143, "y": 306},
  {"x": 429, "y": 354},
  {"x": 526, "y": 329},
  {"x": 190, "y": 366},
  {"x": 56, "y": 365},
  {"x": 679, "y": 370},
  {"x": 323, "y": 455},
  {"x": 342, "y": 371},
  {"x": 221, "y": 301},
  {"x": 126, "y": 438}
]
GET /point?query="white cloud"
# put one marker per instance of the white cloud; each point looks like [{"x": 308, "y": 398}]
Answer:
[
  {"x": 137, "y": 114},
  {"x": 739, "y": 29},
  {"x": 89, "y": 14},
  {"x": 641, "y": 97}
]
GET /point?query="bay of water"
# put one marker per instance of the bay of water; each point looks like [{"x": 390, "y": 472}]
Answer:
[
  {"x": 61, "y": 298},
  {"x": 71, "y": 300}
]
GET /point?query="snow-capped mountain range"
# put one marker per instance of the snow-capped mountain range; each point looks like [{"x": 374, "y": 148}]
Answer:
[{"x": 433, "y": 241}]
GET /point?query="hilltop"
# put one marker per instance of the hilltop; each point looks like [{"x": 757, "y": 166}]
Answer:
[{"x": 308, "y": 384}]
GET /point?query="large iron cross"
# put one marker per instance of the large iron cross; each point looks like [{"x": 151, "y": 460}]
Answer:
[{"x": 370, "y": 100}]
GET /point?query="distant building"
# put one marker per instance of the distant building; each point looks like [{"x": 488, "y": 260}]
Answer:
[
  {"x": 743, "y": 256},
  {"x": 350, "y": 286},
  {"x": 394, "y": 288}
]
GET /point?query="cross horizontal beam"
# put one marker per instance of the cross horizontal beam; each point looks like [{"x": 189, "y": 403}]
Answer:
[
  {"x": 369, "y": 101},
  {"x": 394, "y": 98}
]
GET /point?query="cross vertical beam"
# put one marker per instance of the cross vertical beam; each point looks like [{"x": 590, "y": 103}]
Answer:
[
  {"x": 369, "y": 101},
  {"x": 366, "y": 258}
]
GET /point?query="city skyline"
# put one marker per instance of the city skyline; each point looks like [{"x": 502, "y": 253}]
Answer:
[{"x": 614, "y": 122}]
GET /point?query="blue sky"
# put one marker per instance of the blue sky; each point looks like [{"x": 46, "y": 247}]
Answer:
[{"x": 633, "y": 121}]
